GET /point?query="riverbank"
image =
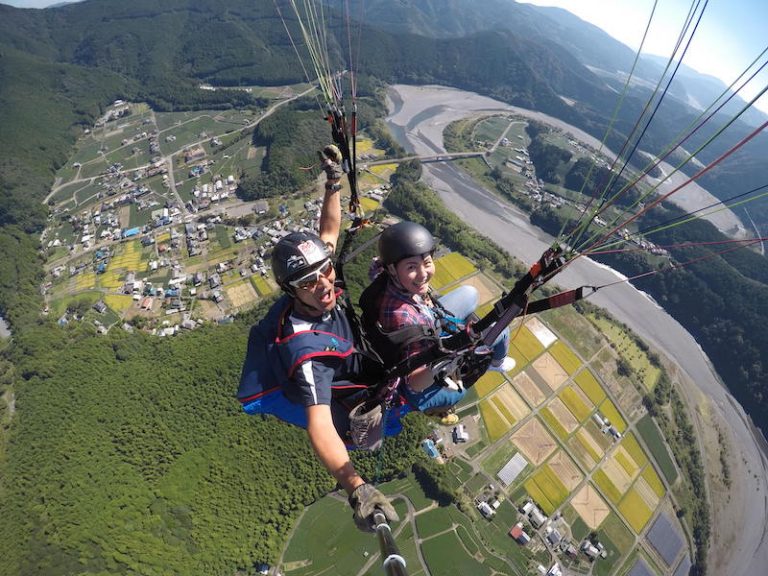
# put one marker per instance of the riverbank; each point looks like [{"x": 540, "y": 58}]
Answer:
[{"x": 418, "y": 116}]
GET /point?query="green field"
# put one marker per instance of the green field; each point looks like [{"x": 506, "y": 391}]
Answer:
[
  {"x": 321, "y": 542},
  {"x": 262, "y": 287},
  {"x": 628, "y": 349},
  {"x": 490, "y": 129},
  {"x": 579, "y": 529},
  {"x": 618, "y": 533},
  {"x": 445, "y": 554},
  {"x": 575, "y": 404},
  {"x": 433, "y": 521},
  {"x": 653, "y": 439},
  {"x": 565, "y": 357},
  {"x": 498, "y": 458}
]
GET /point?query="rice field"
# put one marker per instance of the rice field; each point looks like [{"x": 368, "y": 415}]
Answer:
[
  {"x": 118, "y": 302},
  {"x": 545, "y": 482},
  {"x": 631, "y": 445},
  {"x": 607, "y": 487},
  {"x": 653, "y": 480},
  {"x": 553, "y": 424},
  {"x": 369, "y": 204},
  {"x": 590, "y": 386},
  {"x": 488, "y": 383},
  {"x": 495, "y": 424},
  {"x": 528, "y": 345},
  {"x": 85, "y": 281},
  {"x": 383, "y": 170},
  {"x": 575, "y": 404},
  {"x": 451, "y": 268},
  {"x": 626, "y": 463},
  {"x": 635, "y": 511},
  {"x": 565, "y": 357},
  {"x": 263, "y": 288},
  {"x": 609, "y": 410}
]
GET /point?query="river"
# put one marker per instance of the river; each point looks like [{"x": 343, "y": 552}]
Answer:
[{"x": 417, "y": 117}]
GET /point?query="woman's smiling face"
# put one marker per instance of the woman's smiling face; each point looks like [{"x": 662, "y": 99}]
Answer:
[{"x": 415, "y": 272}]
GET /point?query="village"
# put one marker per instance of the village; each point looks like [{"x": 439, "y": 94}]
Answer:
[{"x": 152, "y": 235}]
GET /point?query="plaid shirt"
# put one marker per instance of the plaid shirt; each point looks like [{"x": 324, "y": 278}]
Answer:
[{"x": 399, "y": 309}]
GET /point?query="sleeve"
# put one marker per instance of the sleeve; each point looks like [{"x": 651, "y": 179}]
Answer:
[
  {"x": 395, "y": 315},
  {"x": 310, "y": 384}
]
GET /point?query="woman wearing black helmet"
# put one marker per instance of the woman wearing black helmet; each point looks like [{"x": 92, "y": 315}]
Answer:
[{"x": 406, "y": 253}]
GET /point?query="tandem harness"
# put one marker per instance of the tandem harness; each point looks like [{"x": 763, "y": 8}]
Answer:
[{"x": 272, "y": 359}]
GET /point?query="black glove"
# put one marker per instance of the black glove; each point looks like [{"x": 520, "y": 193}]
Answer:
[{"x": 365, "y": 499}]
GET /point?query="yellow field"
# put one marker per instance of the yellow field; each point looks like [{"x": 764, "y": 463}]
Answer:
[
  {"x": 550, "y": 485},
  {"x": 653, "y": 480},
  {"x": 565, "y": 357},
  {"x": 488, "y": 383},
  {"x": 528, "y": 345},
  {"x": 608, "y": 488},
  {"x": 630, "y": 444},
  {"x": 498, "y": 403},
  {"x": 495, "y": 424},
  {"x": 450, "y": 268},
  {"x": 513, "y": 405},
  {"x": 263, "y": 288},
  {"x": 85, "y": 280},
  {"x": 608, "y": 409},
  {"x": 383, "y": 169},
  {"x": 575, "y": 403},
  {"x": 118, "y": 302},
  {"x": 626, "y": 462},
  {"x": 538, "y": 496},
  {"x": 635, "y": 510},
  {"x": 589, "y": 444},
  {"x": 363, "y": 145},
  {"x": 590, "y": 386},
  {"x": 553, "y": 423},
  {"x": 110, "y": 280},
  {"x": 163, "y": 237},
  {"x": 369, "y": 204},
  {"x": 520, "y": 360}
]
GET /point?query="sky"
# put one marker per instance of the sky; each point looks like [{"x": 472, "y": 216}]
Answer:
[{"x": 731, "y": 34}]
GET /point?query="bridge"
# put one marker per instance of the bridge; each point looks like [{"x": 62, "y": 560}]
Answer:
[{"x": 446, "y": 157}]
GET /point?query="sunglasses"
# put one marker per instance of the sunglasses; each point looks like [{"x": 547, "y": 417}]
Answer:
[{"x": 310, "y": 280}]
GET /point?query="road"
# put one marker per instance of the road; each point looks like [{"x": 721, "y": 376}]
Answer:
[{"x": 418, "y": 116}]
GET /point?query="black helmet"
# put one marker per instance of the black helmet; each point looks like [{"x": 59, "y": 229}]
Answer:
[
  {"x": 403, "y": 240},
  {"x": 296, "y": 254}
]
